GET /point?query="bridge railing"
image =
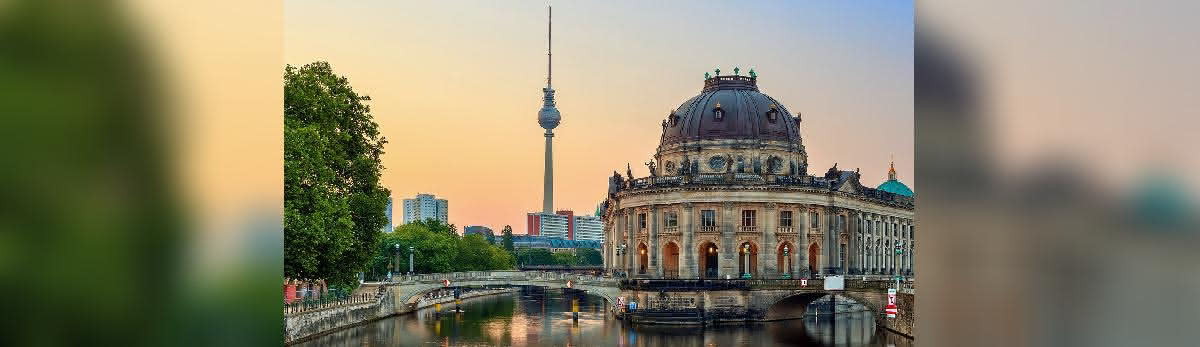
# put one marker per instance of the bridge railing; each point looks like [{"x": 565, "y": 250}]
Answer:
[
  {"x": 501, "y": 276},
  {"x": 331, "y": 300}
]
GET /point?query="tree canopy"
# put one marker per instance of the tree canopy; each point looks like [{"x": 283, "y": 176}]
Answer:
[
  {"x": 435, "y": 251},
  {"x": 334, "y": 206}
]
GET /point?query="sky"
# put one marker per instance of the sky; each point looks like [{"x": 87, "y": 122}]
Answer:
[{"x": 456, "y": 87}]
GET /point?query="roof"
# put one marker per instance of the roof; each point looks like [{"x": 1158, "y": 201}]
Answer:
[
  {"x": 745, "y": 113},
  {"x": 895, "y": 187}
]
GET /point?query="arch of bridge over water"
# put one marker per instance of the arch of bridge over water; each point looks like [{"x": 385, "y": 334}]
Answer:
[
  {"x": 758, "y": 299},
  {"x": 407, "y": 290}
]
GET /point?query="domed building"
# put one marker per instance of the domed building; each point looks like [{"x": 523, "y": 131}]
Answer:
[{"x": 729, "y": 195}]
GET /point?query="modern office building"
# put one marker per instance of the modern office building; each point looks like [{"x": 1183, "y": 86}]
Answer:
[
  {"x": 425, "y": 206},
  {"x": 546, "y": 224},
  {"x": 389, "y": 227},
  {"x": 588, "y": 228}
]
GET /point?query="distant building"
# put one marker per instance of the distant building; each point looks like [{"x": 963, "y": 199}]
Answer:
[
  {"x": 425, "y": 206},
  {"x": 589, "y": 228},
  {"x": 479, "y": 229},
  {"x": 554, "y": 244},
  {"x": 546, "y": 224},
  {"x": 389, "y": 227}
]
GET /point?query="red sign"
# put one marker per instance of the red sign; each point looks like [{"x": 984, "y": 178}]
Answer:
[
  {"x": 804, "y": 281},
  {"x": 891, "y": 309}
]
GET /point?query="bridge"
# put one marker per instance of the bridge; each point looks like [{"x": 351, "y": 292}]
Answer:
[{"x": 659, "y": 301}]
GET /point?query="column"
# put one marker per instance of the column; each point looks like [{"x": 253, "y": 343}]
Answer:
[
  {"x": 829, "y": 254},
  {"x": 767, "y": 267},
  {"x": 653, "y": 269},
  {"x": 800, "y": 260},
  {"x": 852, "y": 243},
  {"x": 727, "y": 260},
  {"x": 630, "y": 243},
  {"x": 688, "y": 249}
]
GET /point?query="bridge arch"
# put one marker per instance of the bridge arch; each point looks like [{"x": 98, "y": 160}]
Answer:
[{"x": 792, "y": 305}]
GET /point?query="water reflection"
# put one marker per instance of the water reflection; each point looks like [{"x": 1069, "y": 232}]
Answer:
[{"x": 542, "y": 317}]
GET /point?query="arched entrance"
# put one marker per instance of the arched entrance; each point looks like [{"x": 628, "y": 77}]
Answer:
[
  {"x": 708, "y": 260},
  {"x": 671, "y": 260},
  {"x": 643, "y": 259},
  {"x": 814, "y": 254},
  {"x": 784, "y": 259},
  {"x": 748, "y": 260}
]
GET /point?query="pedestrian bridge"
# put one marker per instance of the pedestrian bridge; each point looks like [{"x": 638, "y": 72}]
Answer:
[
  {"x": 711, "y": 300},
  {"x": 658, "y": 301}
]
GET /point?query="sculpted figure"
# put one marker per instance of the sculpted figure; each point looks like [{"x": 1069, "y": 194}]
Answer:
[
  {"x": 628, "y": 172},
  {"x": 685, "y": 168},
  {"x": 653, "y": 171}
]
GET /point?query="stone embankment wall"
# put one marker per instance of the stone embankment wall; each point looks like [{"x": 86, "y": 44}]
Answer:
[
  {"x": 306, "y": 325},
  {"x": 903, "y": 323}
]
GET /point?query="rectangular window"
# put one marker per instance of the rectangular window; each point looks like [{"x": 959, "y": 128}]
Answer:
[
  {"x": 748, "y": 218},
  {"x": 785, "y": 218},
  {"x": 708, "y": 218},
  {"x": 813, "y": 220},
  {"x": 671, "y": 218},
  {"x": 641, "y": 221}
]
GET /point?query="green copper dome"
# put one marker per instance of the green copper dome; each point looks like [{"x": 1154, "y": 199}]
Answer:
[{"x": 893, "y": 185}]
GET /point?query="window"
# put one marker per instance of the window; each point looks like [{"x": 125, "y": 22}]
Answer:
[
  {"x": 813, "y": 221},
  {"x": 785, "y": 218},
  {"x": 748, "y": 218},
  {"x": 708, "y": 218},
  {"x": 641, "y": 221},
  {"x": 671, "y": 218}
]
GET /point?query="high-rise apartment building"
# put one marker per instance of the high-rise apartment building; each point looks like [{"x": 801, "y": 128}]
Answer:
[{"x": 425, "y": 206}]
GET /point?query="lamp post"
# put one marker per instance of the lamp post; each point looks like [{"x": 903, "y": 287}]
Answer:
[
  {"x": 410, "y": 260},
  {"x": 786, "y": 258},
  {"x": 396, "y": 256},
  {"x": 746, "y": 253}
]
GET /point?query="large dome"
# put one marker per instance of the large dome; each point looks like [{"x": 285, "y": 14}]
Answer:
[{"x": 730, "y": 107}]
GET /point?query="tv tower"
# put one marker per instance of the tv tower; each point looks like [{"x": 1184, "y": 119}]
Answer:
[{"x": 548, "y": 118}]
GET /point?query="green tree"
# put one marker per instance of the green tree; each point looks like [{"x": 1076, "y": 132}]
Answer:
[
  {"x": 535, "y": 256},
  {"x": 508, "y": 240},
  {"x": 563, "y": 258},
  {"x": 334, "y": 205},
  {"x": 589, "y": 256}
]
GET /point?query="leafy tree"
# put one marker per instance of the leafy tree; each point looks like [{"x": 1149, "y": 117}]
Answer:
[
  {"x": 564, "y": 259},
  {"x": 589, "y": 256},
  {"x": 436, "y": 251},
  {"x": 508, "y": 240},
  {"x": 535, "y": 256},
  {"x": 334, "y": 205}
]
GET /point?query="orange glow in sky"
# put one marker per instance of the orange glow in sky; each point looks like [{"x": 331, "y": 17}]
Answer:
[{"x": 456, "y": 87}]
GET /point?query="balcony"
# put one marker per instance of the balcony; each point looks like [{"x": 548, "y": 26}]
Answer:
[
  {"x": 671, "y": 230},
  {"x": 748, "y": 228},
  {"x": 708, "y": 229},
  {"x": 787, "y": 230}
]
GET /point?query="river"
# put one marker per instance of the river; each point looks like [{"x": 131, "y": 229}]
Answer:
[{"x": 541, "y": 317}]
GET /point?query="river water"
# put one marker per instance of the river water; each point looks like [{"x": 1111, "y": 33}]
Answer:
[{"x": 542, "y": 317}]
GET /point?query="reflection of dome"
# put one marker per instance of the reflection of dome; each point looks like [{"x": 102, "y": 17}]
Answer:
[
  {"x": 893, "y": 185},
  {"x": 730, "y": 107}
]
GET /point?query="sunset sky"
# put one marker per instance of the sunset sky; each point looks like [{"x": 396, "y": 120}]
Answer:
[{"x": 456, "y": 87}]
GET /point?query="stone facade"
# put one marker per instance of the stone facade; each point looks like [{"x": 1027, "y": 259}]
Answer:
[{"x": 729, "y": 196}]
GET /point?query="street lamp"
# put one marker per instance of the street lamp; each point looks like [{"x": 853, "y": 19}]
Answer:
[
  {"x": 788, "y": 259},
  {"x": 746, "y": 253},
  {"x": 410, "y": 260}
]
